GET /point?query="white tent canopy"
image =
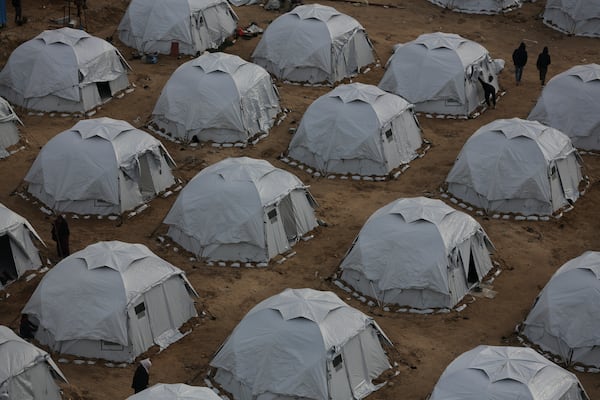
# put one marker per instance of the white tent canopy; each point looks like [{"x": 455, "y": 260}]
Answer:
[
  {"x": 301, "y": 344},
  {"x": 314, "y": 44},
  {"x": 569, "y": 103},
  {"x": 437, "y": 72},
  {"x": 26, "y": 372},
  {"x": 63, "y": 70},
  {"x": 241, "y": 209},
  {"x": 517, "y": 166},
  {"x": 111, "y": 300},
  {"x": 17, "y": 251},
  {"x": 418, "y": 252},
  {"x": 100, "y": 166},
  {"x": 357, "y": 129},
  {"x": 479, "y": 6},
  {"x": 195, "y": 25},
  {"x": 565, "y": 318},
  {"x": 175, "y": 391},
  {"x": 9, "y": 133},
  {"x": 574, "y": 17},
  {"x": 506, "y": 373},
  {"x": 217, "y": 97}
]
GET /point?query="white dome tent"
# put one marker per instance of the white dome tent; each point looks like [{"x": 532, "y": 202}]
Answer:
[
  {"x": 569, "y": 103},
  {"x": 302, "y": 344},
  {"x": 217, "y": 97},
  {"x": 357, "y": 129},
  {"x": 241, "y": 209},
  {"x": 517, "y": 166},
  {"x": 195, "y": 25},
  {"x": 9, "y": 133},
  {"x": 564, "y": 319},
  {"x": 26, "y": 372},
  {"x": 17, "y": 250},
  {"x": 437, "y": 72},
  {"x": 418, "y": 252},
  {"x": 111, "y": 300},
  {"x": 64, "y": 70},
  {"x": 314, "y": 44},
  {"x": 506, "y": 373},
  {"x": 573, "y": 17},
  {"x": 175, "y": 391},
  {"x": 479, "y": 6},
  {"x": 100, "y": 166}
]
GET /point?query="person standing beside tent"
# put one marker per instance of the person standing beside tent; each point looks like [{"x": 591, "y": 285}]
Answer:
[
  {"x": 519, "y": 57},
  {"x": 18, "y": 10},
  {"x": 542, "y": 64},
  {"x": 489, "y": 91},
  {"x": 141, "y": 377},
  {"x": 60, "y": 234}
]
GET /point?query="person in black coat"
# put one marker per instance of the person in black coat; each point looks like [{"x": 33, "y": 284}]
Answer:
[
  {"x": 141, "y": 377},
  {"x": 489, "y": 91},
  {"x": 542, "y": 64},
  {"x": 60, "y": 234},
  {"x": 18, "y": 10},
  {"x": 519, "y": 57}
]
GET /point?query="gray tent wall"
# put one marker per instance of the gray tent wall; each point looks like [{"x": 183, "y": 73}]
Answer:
[
  {"x": 165, "y": 306},
  {"x": 479, "y": 6},
  {"x": 34, "y": 383},
  {"x": 9, "y": 133},
  {"x": 573, "y": 17}
]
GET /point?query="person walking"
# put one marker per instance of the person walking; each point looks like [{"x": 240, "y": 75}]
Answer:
[
  {"x": 542, "y": 64},
  {"x": 519, "y": 57},
  {"x": 141, "y": 377},
  {"x": 60, "y": 234},
  {"x": 18, "y": 10}
]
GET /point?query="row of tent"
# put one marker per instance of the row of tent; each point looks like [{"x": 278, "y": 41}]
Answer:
[{"x": 304, "y": 343}]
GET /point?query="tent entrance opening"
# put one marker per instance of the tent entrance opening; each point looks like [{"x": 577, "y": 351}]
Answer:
[
  {"x": 146, "y": 184},
  {"x": 286, "y": 210},
  {"x": 8, "y": 269},
  {"x": 472, "y": 277},
  {"x": 104, "y": 90}
]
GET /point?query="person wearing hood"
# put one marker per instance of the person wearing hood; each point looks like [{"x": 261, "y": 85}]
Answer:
[
  {"x": 519, "y": 57},
  {"x": 141, "y": 377},
  {"x": 542, "y": 64}
]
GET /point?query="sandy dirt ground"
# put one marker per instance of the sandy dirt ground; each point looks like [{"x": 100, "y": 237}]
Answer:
[{"x": 528, "y": 251}]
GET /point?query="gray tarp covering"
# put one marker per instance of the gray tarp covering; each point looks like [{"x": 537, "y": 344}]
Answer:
[
  {"x": 9, "y": 134},
  {"x": 217, "y": 97},
  {"x": 569, "y": 103},
  {"x": 518, "y": 166},
  {"x": 506, "y": 373},
  {"x": 282, "y": 348},
  {"x": 196, "y": 25},
  {"x": 175, "y": 391},
  {"x": 479, "y": 6},
  {"x": 314, "y": 44},
  {"x": 575, "y": 17},
  {"x": 26, "y": 372},
  {"x": 565, "y": 318},
  {"x": 357, "y": 129}
]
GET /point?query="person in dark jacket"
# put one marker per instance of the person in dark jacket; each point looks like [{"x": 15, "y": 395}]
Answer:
[
  {"x": 27, "y": 328},
  {"x": 542, "y": 64},
  {"x": 60, "y": 234},
  {"x": 489, "y": 91},
  {"x": 141, "y": 377},
  {"x": 18, "y": 10},
  {"x": 519, "y": 57}
]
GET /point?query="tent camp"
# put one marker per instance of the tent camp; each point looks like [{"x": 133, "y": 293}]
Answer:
[
  {"x": 517, "y": 166},
  {"x": 565, "y": 319},
  {"x": 302, "y": 344},
  {"x": 418, "y": 252},
  {"x": 438, "y": 73},
  {"x": 192, "y": 26},
  {"x": 479, "y": 6},
  {"x": 357, "y": 129},
  {"x": 217, "y": 97},
  {"x": 241, "y": 209},
  {"x": 175, "y": 391},
  {"x": 569, "y": 103},
  {"x": 100, "y": 166},
  {"x": 111, "y": 300},
  {"x": 64, "y": 70},
  {"x": 506, "y": 373},
  {"x": 574, "y": 17},
  {"x": 17, "y": 251},
  {"x": 26, "y": 372},
  {"x": 9, "y": 133},
  {"x": 314, "y": 44}
]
